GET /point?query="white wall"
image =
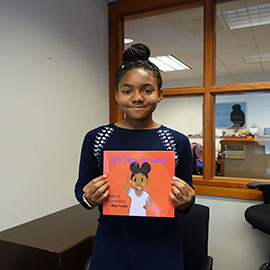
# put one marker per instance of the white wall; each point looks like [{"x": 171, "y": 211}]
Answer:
[
  {"x": 233, "y": 244},
  {"x": 181, "y": 113},
  {"x": 54, "y": 88}
]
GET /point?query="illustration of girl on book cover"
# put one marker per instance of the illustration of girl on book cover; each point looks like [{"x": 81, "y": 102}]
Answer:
[{"x": 140, "y": 199}]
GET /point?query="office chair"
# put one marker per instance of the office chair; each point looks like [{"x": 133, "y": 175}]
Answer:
[
  {"x": 193, "y": 228},
  {"x": 259, "y": 215}
]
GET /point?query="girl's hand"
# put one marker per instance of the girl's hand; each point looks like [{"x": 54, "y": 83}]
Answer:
[
  {"x": 148, "y": 204},
  {"x": 96, "y": 191},
  {"x": 182, "y": 194}
]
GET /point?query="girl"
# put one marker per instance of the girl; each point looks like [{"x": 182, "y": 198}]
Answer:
[
  {"x": 140, "y": 199},
  {"x": 128, "y": 242}
]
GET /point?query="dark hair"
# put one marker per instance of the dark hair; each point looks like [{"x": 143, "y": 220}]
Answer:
[
  {"x": 144, "y": 169},
  {"x": 136, "y": 56}
]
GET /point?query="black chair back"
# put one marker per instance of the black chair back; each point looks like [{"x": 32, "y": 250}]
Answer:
[{"x": 193, "y": 228}]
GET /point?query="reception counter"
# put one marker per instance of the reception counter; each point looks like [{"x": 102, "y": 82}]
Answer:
[{"x": 245, "y": 157}]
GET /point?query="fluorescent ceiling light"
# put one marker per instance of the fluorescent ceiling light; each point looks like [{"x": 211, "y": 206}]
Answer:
[
  {"x": 247, "y": 17},
  {"x": 128, "y": 40},
  {"x": 168, "y": 63},
  {"x": 257, "y": 58}
]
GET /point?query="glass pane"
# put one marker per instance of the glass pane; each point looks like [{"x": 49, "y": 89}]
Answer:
[
  {"x": 243, "y": 41},
  {"x": 184, "y": 114},
  {"x": 243, "y": 135},
  {"x": 180, "y": 34}
]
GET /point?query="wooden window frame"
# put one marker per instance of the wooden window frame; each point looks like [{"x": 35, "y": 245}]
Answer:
[{"x": 208, "y": 184}]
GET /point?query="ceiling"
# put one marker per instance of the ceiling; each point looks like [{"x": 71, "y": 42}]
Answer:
[{"x": 181, "y": 34}]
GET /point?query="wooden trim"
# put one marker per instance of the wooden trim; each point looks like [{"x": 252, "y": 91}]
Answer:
[
  {"x": 208, "y": 136},
  {"x": 127, "y": 8},
  {"x": 219, "y": 181},
  {"x": 227, "y": 187},
  {"x": 209, "y": 99},
  {"x": 198, "y": 90},
  {"x": 209, "y": 43},
  {"x": 240, "y": 87},
  {"x": 228, "y": 192},
  {"x": 116, "y": 37}
]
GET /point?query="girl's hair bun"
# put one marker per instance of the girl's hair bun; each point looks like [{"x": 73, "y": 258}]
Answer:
[
  {"x": 136, "y": 52},
  {"x": 145, "y": 168},
  {"x": 136, "y": 57},
  {"x": 134, "y": 167}
]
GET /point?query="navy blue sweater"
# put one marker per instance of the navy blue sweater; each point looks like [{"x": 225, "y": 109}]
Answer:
[{"x": 134, "y": 242}]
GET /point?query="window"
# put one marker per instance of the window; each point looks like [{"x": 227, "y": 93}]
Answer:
[
  {"x": 222, "y": 82},
  {"x": 243, "y": 41},
  {"x": 243, "y": 138},
  {"x": 178, "y": 33}
]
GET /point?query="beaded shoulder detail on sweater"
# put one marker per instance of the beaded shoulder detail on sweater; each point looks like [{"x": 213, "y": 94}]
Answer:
[
  {"x": 100, "y": 140},
  {"x": 168, "y": 141}
]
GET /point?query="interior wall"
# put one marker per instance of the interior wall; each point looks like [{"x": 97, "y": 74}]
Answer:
[
  {"x": 54, "y": 88},
  {"x": 181, "y": 113},
  {"x": 233, "y": 243}
]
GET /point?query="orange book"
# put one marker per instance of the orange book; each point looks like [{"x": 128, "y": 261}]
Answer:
[{"x": 140, "y": 183}]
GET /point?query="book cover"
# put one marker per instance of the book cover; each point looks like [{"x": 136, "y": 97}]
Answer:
[{"x": 139, "y": 183}]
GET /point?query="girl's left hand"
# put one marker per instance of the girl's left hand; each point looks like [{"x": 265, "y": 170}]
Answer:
[{"x": 182, "y": 194}]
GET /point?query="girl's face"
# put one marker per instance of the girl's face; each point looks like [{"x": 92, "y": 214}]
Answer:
[
  {"x": 139, "y": 182},
  {"x": 138, "y": 95}
]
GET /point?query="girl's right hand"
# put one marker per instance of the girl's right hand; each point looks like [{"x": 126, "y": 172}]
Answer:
[{"x": 96, "y": 191}]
